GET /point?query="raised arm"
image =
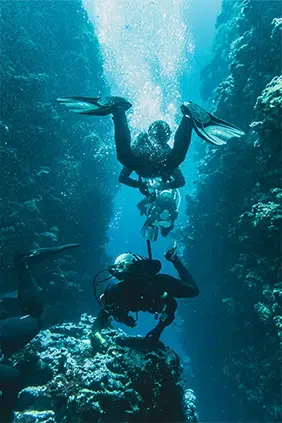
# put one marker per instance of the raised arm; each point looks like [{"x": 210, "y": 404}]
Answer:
[
  {"x": 186, "y": 287},
  {"x": 124, "y": 178}
]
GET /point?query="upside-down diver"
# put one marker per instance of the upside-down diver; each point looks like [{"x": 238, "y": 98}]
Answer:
[
  {"x": 21, "y": 318},
  {"x": 149, "y": 155},
  {"x": 161, "y": 211}
]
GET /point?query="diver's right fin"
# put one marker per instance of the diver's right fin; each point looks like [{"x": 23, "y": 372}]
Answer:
[{"x": 95, "y": 106}]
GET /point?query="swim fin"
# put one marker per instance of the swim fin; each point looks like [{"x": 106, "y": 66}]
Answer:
[
  {"x": 98, "y": 106},
  {"x": 209, "y": 127},
  {"x": 39, "y": 253}
]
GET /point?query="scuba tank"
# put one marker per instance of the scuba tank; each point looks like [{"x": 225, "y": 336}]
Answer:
[{"x": 125, "y": 266}]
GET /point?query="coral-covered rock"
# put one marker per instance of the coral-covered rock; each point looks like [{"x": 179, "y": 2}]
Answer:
[
  {"x": 52, "y": 162},
  {"x": 232, "y": 241},
  {"x": 131, "y": 380}
]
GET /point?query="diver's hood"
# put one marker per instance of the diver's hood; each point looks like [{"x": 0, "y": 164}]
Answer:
[
  {"x": 128, "y": 264},
  {"x": 159, "y": 131}
]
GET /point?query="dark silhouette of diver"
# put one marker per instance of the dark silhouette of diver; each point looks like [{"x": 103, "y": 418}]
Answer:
[
  {"x": 21, "y": 318},
  {"x": 141, "y": 287},
  {"x": 150, "y": 156},
  {"x": 161, "y": 210}
]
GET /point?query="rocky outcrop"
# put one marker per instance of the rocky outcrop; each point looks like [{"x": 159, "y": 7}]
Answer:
[
  {"x": 232, "y": 241},
  {"x": 129, "y": 381},
  {"x": 227, "y": 29},
  {"x": 52, "y": 162}
]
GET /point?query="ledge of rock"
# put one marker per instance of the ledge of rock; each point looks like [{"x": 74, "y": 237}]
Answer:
[{"x": 129, "y": 381}]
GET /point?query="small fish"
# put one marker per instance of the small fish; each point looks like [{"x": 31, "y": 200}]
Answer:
[
  {"x": 4, "y": 126},
  {"x": 42, "y": 172}
]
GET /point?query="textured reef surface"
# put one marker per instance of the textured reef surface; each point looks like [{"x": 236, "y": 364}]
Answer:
[
  {"x": 52, "y": 162},
  {"x": 130, "y": 381},
  {"x": 235, "y": 221}
]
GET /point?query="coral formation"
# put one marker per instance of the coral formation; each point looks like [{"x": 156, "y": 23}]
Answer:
[
  {"x": 52, "y": 162},
  {"x": 130, "y": 381},
  {"x": 235, "y": 222}
]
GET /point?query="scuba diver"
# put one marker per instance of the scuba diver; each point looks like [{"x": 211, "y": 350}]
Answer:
[
  {"x": 150, "y": 156},
  {"x": 21, "y": 318},
  {"x": 140, "y": 287},
  {"x": 161, "y": 210}
]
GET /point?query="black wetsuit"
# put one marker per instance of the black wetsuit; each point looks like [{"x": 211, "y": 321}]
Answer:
[
  {"x": 20, "y": 321},
  {"x": 153, "y": 294},
  {"x": 165, "y": 168}
]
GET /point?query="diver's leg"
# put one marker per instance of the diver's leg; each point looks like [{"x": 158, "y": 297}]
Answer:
[
  {"x": 101, "y": 321},
  {"x": 29, "y": 293},
  {"x": 16, "y": 332},
  {"x": 155, "y": 233},
  {"x": 10, "y": 384},
  {"x": 8, "y": 401},
  {"x": 123, "y": 139},
  {"x": 166, "y": 231},
  {"x": 182, "y": 140}
]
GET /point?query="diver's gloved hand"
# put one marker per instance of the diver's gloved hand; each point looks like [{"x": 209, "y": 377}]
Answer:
[
  {"x": 171, "y": 255},
  {"x": 155, "y": 333}
]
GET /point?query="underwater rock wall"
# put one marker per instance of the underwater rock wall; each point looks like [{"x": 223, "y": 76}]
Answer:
[
  {"x": 56, "y": 186},
  {"x": 130, "y": 381},
  {"x": 232, "y": 240}
]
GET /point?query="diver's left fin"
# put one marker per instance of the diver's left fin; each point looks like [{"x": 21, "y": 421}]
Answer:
[
  {"x": 209, "y": 127},
  {"x": 81, "y": 105},
  {"x": 217, "y": 133},
  {"x": 39, "y": 253}
]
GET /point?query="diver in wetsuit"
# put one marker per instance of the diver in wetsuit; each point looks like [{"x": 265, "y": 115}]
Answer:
[
  {"x": 161, "y": 210},
  {"x": 159, "y": 159},
  {"x": 20, "y": 321},
  {"x": 142, "y": 288}
]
